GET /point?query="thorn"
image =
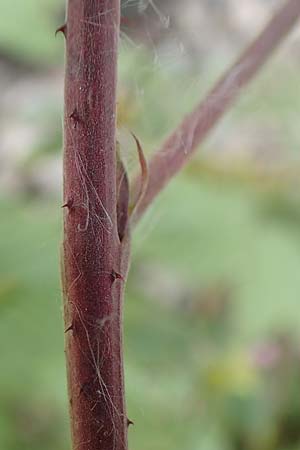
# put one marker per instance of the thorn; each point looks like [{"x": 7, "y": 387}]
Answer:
[
  {"x": 69, "y": 204},
  {"x": 116, "y": 276},
  {"x": 129, "y": 422},
  {"x": 62, "y": 29},
  {"x": 75, "y": 117},
  {"x": 85, "y": 389},
  {"x": 70, "y": 328}
]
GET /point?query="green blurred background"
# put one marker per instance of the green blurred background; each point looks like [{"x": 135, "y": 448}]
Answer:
[{"x": 211, "y": 314}]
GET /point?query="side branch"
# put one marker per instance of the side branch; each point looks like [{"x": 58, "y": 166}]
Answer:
[{"x": 183, "y": 142}]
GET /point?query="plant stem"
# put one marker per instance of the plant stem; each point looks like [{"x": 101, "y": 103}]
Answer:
[
  {"x": 93, "y": 274},
  {"x": 184, "y": 140}
]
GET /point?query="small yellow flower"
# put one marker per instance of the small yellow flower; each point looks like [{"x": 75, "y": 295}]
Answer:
[{"x": 234, "y": 374}]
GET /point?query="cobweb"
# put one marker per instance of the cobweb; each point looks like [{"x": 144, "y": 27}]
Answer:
[{"x": 172, "y": 52}]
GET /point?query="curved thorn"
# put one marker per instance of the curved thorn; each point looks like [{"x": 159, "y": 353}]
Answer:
[
  {"x": 129, "y": 422},
  {"x": 116, "y": 276},
  {"x": 70, "y": 328},
  {"x": 62, "y": 29}
]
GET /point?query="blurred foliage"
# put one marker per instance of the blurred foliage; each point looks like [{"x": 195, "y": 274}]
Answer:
[
  {"x": 209, "y": 372},
  {"x": 27, "y": 30},
  {"x": 212, "y": 362}
]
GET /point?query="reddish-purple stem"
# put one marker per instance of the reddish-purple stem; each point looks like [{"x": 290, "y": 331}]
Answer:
[
  {"x": 183, "y": 142},
  {"x": 95, "y": 262}
]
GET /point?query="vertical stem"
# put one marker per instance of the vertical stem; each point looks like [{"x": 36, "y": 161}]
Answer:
[{"x": 92, "y": 288}]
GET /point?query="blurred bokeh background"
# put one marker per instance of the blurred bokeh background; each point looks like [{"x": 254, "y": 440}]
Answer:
[{"x": 212, "y": 307}]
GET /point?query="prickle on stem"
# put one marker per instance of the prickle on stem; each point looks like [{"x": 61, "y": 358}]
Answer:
[
  {"x": 129, "y": 422},
  {"x": 74, "y": 116},
  {"x": 69, "y": 204},
  {"x": 62, "y": 29},
  {"x": 116, "y": 276},
  {"x": 70, "y": 328}
]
